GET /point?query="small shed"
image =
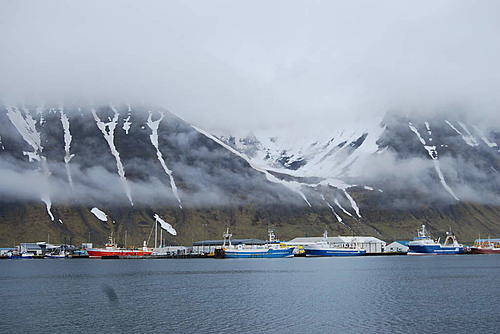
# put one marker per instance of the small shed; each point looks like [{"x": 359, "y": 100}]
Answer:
[{"x": 398, "y": 246}]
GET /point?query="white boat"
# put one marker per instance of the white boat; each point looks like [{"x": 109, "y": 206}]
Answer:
[{"x": 56, "y": 256}]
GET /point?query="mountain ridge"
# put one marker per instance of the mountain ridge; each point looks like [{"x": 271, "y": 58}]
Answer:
[{"x": 133, "y": 162}]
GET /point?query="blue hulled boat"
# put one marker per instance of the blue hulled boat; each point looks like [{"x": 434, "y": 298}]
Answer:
[
  {"x": 423, "y": 244},
  {"x": 324, "y": 248},
  {"x": 272, "y": 249},
  {"x": 261, "y": 252}
]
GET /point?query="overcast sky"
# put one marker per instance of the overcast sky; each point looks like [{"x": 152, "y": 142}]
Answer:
[{"x": 255, "y": 64}]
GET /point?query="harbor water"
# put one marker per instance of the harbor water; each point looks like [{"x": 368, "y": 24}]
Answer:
[{"x": 392, "y": 294}]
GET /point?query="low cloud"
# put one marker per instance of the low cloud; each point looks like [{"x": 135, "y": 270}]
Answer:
[{"x": 305, "y": 66}]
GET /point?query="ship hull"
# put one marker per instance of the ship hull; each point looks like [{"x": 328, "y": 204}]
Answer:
[
  {"x": 435, "y": 249},
  {"x": 333, "y": 252},
  {"x": 257, "y": 253},
  {"x": 20, "y": 257},
  {"x": 479, "y": 250},
  {"x": 120, "y": 252}
]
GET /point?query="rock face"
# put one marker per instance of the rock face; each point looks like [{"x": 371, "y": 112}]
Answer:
[{"x": 131, "y": 162}]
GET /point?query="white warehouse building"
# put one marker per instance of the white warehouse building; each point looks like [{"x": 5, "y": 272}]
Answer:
[
  {"x": 370, "y": 244},
  {"x": 397, "y": 247}
]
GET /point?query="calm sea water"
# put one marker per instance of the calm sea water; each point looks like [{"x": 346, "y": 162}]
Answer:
[{"x": 399, "y": 294}]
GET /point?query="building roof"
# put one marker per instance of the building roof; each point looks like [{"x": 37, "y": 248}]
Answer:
[
  {"x": 402, "y": 242},
  {"x": 30, "y": 246},
  {"x": 233, "y": 241},
  {"x": 339, "y": 239}
]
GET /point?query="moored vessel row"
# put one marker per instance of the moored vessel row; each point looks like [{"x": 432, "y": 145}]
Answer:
[{"x": 325, "y": 246}]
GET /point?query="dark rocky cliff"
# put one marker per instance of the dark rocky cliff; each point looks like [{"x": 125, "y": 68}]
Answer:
[{"x": 108, "y": 159}]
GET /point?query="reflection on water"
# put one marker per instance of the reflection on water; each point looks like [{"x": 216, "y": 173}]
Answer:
[{"x": 323, "y": 295}]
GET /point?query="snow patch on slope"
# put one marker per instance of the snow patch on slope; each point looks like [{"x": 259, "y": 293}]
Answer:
[
  {"x": 432, "y": 151},
  {"x": 67, "y": 145},
  {"x": 126, "y": 124},
  {"x": 26, "y": 126},
  {"x": 415, "y": 130},
  {"x": 339, "y": 219},
  {"x": 108, "y": 130},
  {"x": 99, "y": 214},
  {"x": 336, "y": 201},
  {"x": 485, "y": 139},
  {"x": 354, "y": 205},
  {"x": 48, "y": 205},
  {"x": 153, "y": 125},
  {"x": 164, "y": 225},
  {"x": 468, "y": 138}
]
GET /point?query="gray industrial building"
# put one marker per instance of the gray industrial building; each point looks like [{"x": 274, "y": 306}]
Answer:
[{"x": 370, "y": 244}]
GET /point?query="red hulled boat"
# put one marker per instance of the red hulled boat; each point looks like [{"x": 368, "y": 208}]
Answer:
[
  {"x": 486, "y": 246},
  {"x": 111, "y": 249}
]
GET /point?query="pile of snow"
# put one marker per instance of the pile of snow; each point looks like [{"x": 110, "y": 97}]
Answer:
[
  {"x": 164, "y": 225},
  {"x": 99, "y": 214}
]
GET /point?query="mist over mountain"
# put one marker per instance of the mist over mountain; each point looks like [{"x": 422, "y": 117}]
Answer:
[
  {"x": 301, "y": 115},
  {"x": 118, "y": 155},
  {"x": 305, "y": 65},
  {"x": 127, "y": 157}
]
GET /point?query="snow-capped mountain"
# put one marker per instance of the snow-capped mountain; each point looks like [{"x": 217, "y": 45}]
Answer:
[
  {"x": 133, "y": 162},
  {"x": 464, "y": 158},
  {"x": 325, "y": 156}
]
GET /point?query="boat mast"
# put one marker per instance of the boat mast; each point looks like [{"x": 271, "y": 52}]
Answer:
[
  {"x": 156, "y": 234},
  {"x": 271, "y": 235},
  {"x": 227, "y": 237}
]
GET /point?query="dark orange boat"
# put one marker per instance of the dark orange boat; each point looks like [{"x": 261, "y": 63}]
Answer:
[{"x": 486, "y": 246}]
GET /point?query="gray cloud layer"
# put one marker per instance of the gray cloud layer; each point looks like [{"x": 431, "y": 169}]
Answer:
[{"x": 255, "y": 64}]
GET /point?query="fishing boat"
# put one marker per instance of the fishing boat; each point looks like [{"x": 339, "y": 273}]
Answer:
[
  {"x": 21, "y": 256},
  {"x": 423, "y": 244},
  {"x": 271, "y": 249},
  {"x": 111, "y": 249},
  {"x": 58, "y": 253},
  {"x": 486, "y": 246},
  {"x": 325, "y": 248},
  {"x": 56, "y": 256}
]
